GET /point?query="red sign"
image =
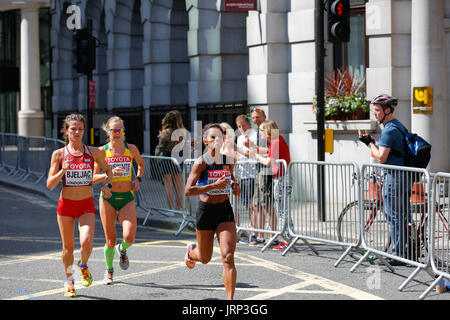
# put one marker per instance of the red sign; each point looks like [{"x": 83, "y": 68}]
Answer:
[
  {"x": 240, "y": 5},
  {"x": 91, "y": 94}
]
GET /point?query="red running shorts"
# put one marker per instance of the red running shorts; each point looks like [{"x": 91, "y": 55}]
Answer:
[{"x": 75, "y": 208}]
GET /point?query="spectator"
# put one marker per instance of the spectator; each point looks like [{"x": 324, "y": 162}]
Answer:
[
  {"x": 262, "y": 181},
  {"x": 278, "y": 149},
  {"x": 391, "y": 150},
  {"x": 170, "y": 172},
  {"x": 246, "y": 171},
  {"x": 228, "y": 146}
]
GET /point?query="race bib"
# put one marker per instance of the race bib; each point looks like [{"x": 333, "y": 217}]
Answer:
[
  {"x": 124, "y": 162},
  {"x": 79, "y": 175},
  {"x": 214, "y": 175}
]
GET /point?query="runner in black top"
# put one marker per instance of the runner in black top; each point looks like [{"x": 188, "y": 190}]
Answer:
[{"x": 212, "y": 178}]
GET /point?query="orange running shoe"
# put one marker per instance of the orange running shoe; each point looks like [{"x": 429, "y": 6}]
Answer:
[{"x": 190, "y": 263}]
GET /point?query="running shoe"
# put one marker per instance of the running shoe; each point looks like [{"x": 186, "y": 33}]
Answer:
[
  {"x": 123, "y": 263},
  {"x": 69, "y": 289},
  {"x": 257, "y": 241},
  {"x": 86, "y": 277},
  {"x": 190, "y": 263},
  {"x": 281, "y": 246},
  {"x": 108, "y": 278}
]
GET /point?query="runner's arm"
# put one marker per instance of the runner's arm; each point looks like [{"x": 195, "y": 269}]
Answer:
[
  {"x": 55, "y": 174},
  {"x": 192, "y": 189}
]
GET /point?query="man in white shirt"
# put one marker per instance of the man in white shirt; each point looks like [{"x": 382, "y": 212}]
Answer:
[{"x": 247, "y": 169}]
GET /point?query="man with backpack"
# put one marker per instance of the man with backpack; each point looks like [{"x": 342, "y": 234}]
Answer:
[{"x": 392, "y": 149}]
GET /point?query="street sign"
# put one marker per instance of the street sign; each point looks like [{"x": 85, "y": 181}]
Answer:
[
  {"x": 423, "y": 100},
  {"x": 240, "y": 5},
  {"x": 91, "y": 94}
]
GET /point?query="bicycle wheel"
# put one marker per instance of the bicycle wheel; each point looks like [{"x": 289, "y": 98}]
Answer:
[
  {"x": 376, "y": 231},
  {"x": 441, "y": 239},
  {"x": 347, "y": 228}
]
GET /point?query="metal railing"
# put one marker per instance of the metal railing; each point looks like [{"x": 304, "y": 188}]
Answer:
[
  {"x": 262, "y": 205},
  {"x": 328, "y": 215},
  {"x": 389, "y": 212},
  {"x": 162, "y": 189},
  {"x": 438, "y": 226}
]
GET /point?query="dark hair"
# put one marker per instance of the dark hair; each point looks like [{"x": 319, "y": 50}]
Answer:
[
  {"x": 243, "y": 117},
  {"x": 71, "y": 117},
  {"x": 212, "y": 125}
]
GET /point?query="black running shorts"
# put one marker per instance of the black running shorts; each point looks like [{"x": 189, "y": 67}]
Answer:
[{"x": 210, "y": 215}]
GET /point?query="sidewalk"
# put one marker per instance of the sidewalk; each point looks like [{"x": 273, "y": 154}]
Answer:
[{"x": 29, "y": 185}]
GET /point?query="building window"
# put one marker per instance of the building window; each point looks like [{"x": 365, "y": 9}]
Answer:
[{"x": 354, "y": 54}]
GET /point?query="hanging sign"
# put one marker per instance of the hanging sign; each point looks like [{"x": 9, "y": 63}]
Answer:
[
  {"x": 91, "y": 94},
  {"x": 423, "y": 100},
  {"x": 240, "y": 5}
]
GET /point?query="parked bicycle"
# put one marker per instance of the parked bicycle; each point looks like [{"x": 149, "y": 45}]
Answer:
[{"x": 375, "y": 220}]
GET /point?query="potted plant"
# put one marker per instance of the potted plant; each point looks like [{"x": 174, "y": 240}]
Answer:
[{"x": 344, "y": 96}]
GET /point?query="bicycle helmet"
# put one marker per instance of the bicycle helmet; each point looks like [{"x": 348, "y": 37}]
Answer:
[{"x": 385, "y": 101}]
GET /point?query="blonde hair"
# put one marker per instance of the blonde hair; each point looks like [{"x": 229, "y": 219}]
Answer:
[
  {"x": 180, "y": 124},
  {"x": 105, "y": 126},
  {"x": 67, "y": 120},
  {"x": 269, "y": 126}
]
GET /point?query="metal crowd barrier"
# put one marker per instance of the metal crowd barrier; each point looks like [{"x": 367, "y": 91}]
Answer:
[
  {"x": 262, "y": 205},
  {"x": 438, "y": 226},
  {"x": 394, "y": 214},
  {"x": 27, "y": 157},
  {"x": 329, "y": 214},
  {"x": 162, "y": 189}
]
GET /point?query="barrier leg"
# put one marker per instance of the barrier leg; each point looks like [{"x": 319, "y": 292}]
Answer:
[
  {"x": 311, "y": 246},
  {"x": 183, "y": 225},
  {"x": 291, "y": 245},
  {"x": 409, "y": 278},
  {"x": 435, "y": 282},
  {"x": 360, "y": 261},
  {"x": 343, "y": 256},
  {"x": 270, "y": 242},
  {"x": 146, "y": 217}
]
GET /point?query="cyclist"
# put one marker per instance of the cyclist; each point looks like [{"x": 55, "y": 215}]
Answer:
[{"x": 392, "y": 150}]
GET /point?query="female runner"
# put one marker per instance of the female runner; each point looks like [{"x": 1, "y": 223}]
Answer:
[
  {"x": 74, "y": 165},
  {"x": 119, "y": 156},
  {"x": 211, "y": 178}
]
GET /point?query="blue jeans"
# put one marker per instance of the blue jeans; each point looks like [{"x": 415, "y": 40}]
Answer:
[{"x": 396, "y": 192}]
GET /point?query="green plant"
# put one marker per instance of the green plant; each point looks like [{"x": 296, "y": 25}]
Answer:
[{"x": 344, "y": 96}]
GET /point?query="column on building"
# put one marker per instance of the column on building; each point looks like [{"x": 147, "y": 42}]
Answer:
[
  {"x": 270, "y": 61},
  {"x": 167, "y": 62},
  {"x": 118, "y": 20},
  {"x": 30, "y": 116},
  {"x": 217, "y": 53},
  {"x": 301, "y": 77},
  {"x": 388, "y": 26},
  {"x": 427, "y": 70}
]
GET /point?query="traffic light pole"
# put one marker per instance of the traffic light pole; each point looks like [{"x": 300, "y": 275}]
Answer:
[{"x": 320, "y": 88}]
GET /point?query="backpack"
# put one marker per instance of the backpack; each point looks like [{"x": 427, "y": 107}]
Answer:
[{"x": 418, "y": 150}]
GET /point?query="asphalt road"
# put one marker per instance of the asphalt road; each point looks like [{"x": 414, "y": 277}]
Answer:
[{"x": 30, "y": 266}]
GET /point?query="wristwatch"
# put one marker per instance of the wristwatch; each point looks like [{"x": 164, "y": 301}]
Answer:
[
  {"x": 109, "y": 185},
  {"x": 139, "y": 178}
]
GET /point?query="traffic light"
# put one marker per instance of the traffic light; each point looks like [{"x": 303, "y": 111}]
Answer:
[
  {"x": 84, "y": 50},
  {"x": 338, "y": 20}
]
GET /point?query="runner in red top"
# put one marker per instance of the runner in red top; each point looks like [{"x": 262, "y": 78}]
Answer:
[{"x": 73, "y": 165}]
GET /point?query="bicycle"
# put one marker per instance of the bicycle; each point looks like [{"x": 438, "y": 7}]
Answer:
[{"x": 417, "y": 241}]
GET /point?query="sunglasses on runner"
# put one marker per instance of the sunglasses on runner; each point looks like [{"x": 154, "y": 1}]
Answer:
[{"x": 116, "y": 130}]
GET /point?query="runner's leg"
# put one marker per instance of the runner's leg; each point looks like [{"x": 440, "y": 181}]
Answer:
[
  {"x": 226, "y": 235},
  {"x": 66, "y": 229}
]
